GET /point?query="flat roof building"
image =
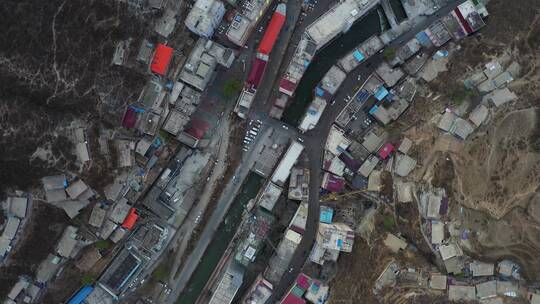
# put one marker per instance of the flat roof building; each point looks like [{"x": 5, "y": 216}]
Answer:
[
  {"x": 368, "y": 166},
  {"x": 259, "y": 293},
  {"x": 404, "y": 164},
  {"x": 478, "y": 115},
  {"x": 438, "y": 281},
  {"x": 389, "y": 75},
  {"x": 175, "y": 122},
  {"x": 297, "y": 66},
  {"x": 269, "y": 196},
  {"x": 404, "y": 191},
  {"x": 365, "y": 50},
  {"x": 335, "y": 236},
  {"x": 150, "y": 123},
  {"x": 479, "y": 268},
  {"x": 255, "y": 230},
  {"x": 162, "y": 58},
  {"x": 204, "y": 17},
  {"x": 337, "y": 142},
  {"x": 486, "y": 290},
  {"x": 450, "y": 250},
  {"x": 76, "y": 189},
  {"x": 437, "y": 232},
  {"x": 332, "y": 80},
  {"x": 461, "y": 293},
  {"x": 374, "y": 139},
  {"x": 97, "y": 216},
  {"x": 299, "y": 220},
  {"x": 120, "y": 272},
  {"x": 11, "y": 228},
  {"x": 279, "y": 262},
  {"x": 48, "y": 268},
  {"x": 395, "y": 243},
  {"x": 228, "y": 285},
  {"x": 17, "y": 206},
  {"x": 312, "y": 115},
  {"x": 4, "y": 246},
  {"x": 500, "y": 97},
  {"x": 432, "y": 201},
  {"x": 120, "y": 210},
  {"x": 244, "y": 22},
  {"x": 164, "y": 26},
  {"x": 284, "y": 167},
  {"x": 299, "y": 184},
  {"x": 338, "y": 19},
  {"x": 99, "y": 296},
  {"x": 152, "y": 95},
  {"x": 67, "y": 242},
  {"x": 200, "y": 66},
  {"x": 54, "y": 187}
]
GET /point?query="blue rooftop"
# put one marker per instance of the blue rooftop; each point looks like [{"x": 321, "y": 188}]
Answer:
[
  {"x": 423, "y": 38},
  {"x": 326, "y": 215},
  {"x": 81, "y": 295},
  {"x": 381, "y": 93},
  {"x": 358, "y": 56},
  {"x": 319, "y": 91},
  {"x": 373, "y": 109}
]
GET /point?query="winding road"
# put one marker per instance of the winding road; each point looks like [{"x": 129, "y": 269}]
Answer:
[{"x": 314, "y": 142}]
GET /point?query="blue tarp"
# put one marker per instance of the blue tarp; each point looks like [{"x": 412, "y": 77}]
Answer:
[
  {"x": 326, "y": 215},
  {"x": 339, "y": 243},
  {"x": 306, "y": 63},
  {"x": 423, "y": 38},
  {"x": 319, "y": 91},
  {"x": 137, "y": 109},
  {"x": 373, "y": 109},
  {"x": 381, "y": 93},
  {"x": 81, "y": 295},
  {"x": 358, "y": 56}
]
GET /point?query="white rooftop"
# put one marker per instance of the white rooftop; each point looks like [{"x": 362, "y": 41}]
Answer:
[
  {"x": 287, "y": 162},
  {"x": 333, "y": 79},
  {"x": 205, "y": 16},
  {"x": 338, "y": 19},
  {"x": 461, "y": 293},
  {"x": 437, "y": 232},
  {"x": 270, "y": 196},
  {"x": 313, "y": 114}
]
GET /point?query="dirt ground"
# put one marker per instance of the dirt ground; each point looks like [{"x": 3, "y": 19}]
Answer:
[
  {"x": 494, "y": 174},
  {"x": 498, "y": 169},
  {"x": 357, "y": 271}
]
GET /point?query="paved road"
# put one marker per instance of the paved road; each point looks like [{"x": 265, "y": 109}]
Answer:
[
  {"x": 268, "y": 83},
  {"x": 315, "y": 141},
  {"x": 183, "y": 236},
  {"x": 225, "y": 201}
]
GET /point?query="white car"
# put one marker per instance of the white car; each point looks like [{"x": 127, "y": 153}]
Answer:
[
  {"x": 285, "y": 127},
  {"x": 300, "y": 139}
]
